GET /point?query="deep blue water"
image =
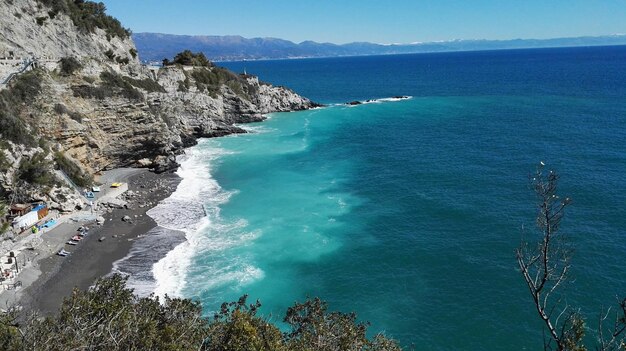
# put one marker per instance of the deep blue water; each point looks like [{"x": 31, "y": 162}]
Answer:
[{"x": 409, "y": 212}]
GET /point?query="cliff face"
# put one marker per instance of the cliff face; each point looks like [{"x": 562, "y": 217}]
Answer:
[
  {"x": 149, "y": 131},
  {"x": 29, "y": 26},
  {"x": 103, "y": 110}
]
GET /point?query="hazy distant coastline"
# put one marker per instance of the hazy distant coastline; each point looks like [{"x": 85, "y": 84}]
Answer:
[{"x": 155, "y": 46}]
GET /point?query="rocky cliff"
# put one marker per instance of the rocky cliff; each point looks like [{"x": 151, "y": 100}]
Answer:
[
  {"x": 90, "y": 106},
  {"x": 43, "y": 28}
]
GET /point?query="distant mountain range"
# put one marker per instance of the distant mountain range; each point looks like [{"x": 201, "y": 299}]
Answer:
[{"x": 154, "y": 46}]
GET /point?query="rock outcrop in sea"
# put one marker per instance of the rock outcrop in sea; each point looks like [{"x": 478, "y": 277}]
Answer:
[{"x": 84, "y": 103}]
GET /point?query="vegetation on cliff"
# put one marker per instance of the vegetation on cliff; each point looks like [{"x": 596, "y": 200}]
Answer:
[
  {"x": 73, "y": 171},
  {"x": 69, "y": 65},
  {"x": 21, "y": 91},
  {"x": 35, "y": 170},
  {"x": 4, "y": 163},
  {"x": 210, "y": 78},
  {"x": 87, "y": 16},
  {"x": 109, "y": 316},
  {"x": 3, "y": 226},
  {"x": 112, "y": 84},
  {"x": 188, "y": 58}
]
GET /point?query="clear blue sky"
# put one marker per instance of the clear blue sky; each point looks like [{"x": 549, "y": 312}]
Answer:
[{"x": 400, "y": 21}]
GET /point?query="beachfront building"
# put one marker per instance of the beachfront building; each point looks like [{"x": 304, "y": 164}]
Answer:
[
  {"x": 30, "y": 218},
  {"x": 18, "y": 210}
]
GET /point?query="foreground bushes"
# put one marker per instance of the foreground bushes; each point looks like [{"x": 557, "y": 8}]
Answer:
[{"x": 109, "y": 317}]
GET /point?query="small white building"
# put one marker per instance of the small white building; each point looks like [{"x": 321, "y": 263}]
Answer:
[{"x": 26, "y": 220}]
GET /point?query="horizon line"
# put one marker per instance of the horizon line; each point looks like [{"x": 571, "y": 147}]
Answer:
[{"x": 384, "y": 44}]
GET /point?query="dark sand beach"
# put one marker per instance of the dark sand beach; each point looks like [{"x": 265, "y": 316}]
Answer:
[{"x": 92, "y": 258}]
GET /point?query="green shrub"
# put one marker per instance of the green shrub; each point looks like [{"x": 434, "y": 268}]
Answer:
[
  {"x": 87, "y": 16},
  {"x": 112, "y": 85},
  {"x": 90, "y": 92},
  {"x": 108, "y": 316},
  {"x": 122, "y": 60},
  {"x": 188, "y": 58},
  {"x": 60, "y": 109},
  {"x": 120, "y": 86},
  {"x": 27, "y": 86},
  {"x": 110, "y": 54},
  {"x": 133, "y": 52},
  {"x": 12, "y": 127},
  {"x": 146, "y": 84},
  {"x": 23, "y": 90},
  {"x": 44, "y": 144},
  {"x": 73, "y": 171},
  {"x": 183, "y": 86},
  {"x": 36, "y": 170},
  {"x": 69, "y": 65},
  {"x": 211, "y": 79},
  {"x": 4, "y": 162},
  {"x": 41, "y": 20},
  {"x": 76, "y": 116}
]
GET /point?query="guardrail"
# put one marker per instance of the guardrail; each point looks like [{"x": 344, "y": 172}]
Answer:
[{"x": 26, "y": 65}]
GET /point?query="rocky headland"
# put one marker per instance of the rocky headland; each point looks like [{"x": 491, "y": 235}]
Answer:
[{"x": 78, "y": 102}]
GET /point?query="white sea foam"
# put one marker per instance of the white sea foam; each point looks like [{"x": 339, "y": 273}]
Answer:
[
  {"x": 184, "y": 211},
  {"x": 377, "y": 101},
  {"x": 394, "y": 99},
  {"x": 188, "y": 209},
  {"x": 254, "y": 128},
  {"x": 146, "y": 251},
  {"x": 194, "y": 208}
]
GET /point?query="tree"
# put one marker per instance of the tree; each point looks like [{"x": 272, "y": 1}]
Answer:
[
  {"x": 545, "y": 268},
  {"x": 188, "y": 58},
  {"x": 108, "y": 316},
  {"x": 237, "y": 327},
  {"x": 313, "y": 327}
]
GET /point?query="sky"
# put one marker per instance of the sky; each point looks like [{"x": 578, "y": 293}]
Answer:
[{"x": 399, "y": 21}]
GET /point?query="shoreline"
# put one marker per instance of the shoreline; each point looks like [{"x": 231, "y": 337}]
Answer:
[
  {"x": 51, "y": 278},
  {"x": 48, "y": 278}
]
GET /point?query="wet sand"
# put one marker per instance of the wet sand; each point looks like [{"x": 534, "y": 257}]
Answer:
[{"x": 92, "y": 258}]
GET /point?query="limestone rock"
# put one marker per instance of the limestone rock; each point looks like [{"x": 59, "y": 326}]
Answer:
[{"x": 168, "y": 111}]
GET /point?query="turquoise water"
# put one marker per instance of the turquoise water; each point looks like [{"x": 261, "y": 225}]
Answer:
[{"x": 408, "y": 212}]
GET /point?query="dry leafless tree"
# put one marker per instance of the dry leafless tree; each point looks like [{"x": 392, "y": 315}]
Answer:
[{"x": 545, "y": 267}]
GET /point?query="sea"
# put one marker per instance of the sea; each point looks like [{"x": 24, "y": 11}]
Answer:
[{"x": 406, "y": 211}]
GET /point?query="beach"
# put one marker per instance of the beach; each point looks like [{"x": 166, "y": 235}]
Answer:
[{"x": 48, "y": 278}]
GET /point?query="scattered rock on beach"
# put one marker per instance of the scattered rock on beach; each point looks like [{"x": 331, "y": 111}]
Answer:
[{"x": 126, "y": 218}]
